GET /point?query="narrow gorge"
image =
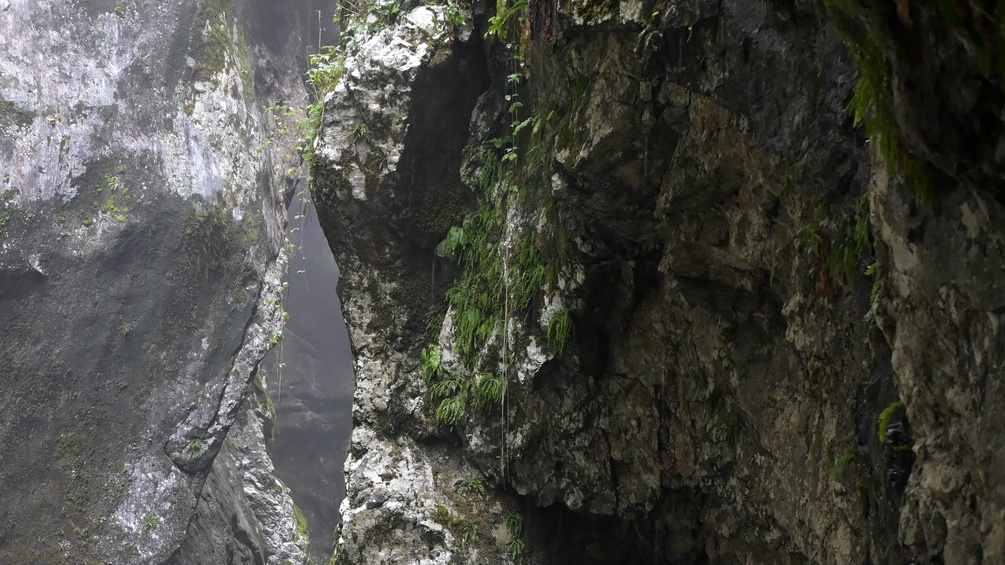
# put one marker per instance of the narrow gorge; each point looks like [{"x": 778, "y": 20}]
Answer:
[{"x": 622, "y": 281}]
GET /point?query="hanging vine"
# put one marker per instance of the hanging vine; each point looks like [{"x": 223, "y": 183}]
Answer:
[{"x": 504, "y": 270}]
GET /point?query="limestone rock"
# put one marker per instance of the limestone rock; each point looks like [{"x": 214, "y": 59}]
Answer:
[
  {"x": 140, "y": 232},
  {"x": 746, "y": 379}
]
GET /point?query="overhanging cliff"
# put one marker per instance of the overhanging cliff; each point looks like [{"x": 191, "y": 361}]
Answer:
[{"x": 655, "y": 297}]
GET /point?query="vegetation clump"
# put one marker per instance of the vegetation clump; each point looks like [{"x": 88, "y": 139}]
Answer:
[
  {"x": 324, "y": 75},
  {"x": 559, "y": 330},
  {"x": 885, "y": 417},
  {"x": 515, "y": 546},
  {"x": 195, "y": 446},
  {"x": 150, "y": 521},
  {"x": 355, "y": 19},
  {"x": 507, "y": 263}
]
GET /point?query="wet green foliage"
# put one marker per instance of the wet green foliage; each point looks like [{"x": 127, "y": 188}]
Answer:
[
  {"x": 559, "y": 330},
  {"x": 515, "y": 546},
  {"x": 884, "y": 419},
  {"x": 844, "y": 262},
  {"x": 450, "y": 411},
  {"x": 489, "y": 390},
  {"x": 431, "y": 358},
  {"x": 473, "y": 486},
  {"x": 324, "y": 75}
]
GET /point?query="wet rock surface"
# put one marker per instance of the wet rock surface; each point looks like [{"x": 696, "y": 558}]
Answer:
[
  {"x": 745, "y": 379},
  {"x": 139, "y": 237},
  {"x": 938, "y": 208}
]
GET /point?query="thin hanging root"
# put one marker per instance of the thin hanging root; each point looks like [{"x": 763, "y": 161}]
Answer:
[{"x": 505, "y": 359}]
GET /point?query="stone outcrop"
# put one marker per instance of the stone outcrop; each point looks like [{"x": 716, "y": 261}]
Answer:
[
  {"x": 733, "y": 326},
  {"x": 400, "y": 491},
  {"x": 936, "y": 194},
  {"x": 144, "y": 187},
  {"x": 244, "y": 513}
]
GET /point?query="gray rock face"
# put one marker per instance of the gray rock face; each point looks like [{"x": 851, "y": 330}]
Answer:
[
  {"x": 399, "y": 492},
  {"x": 142, "y": 215},
  {"x": 244, "y": 513},
  {"x": 745, "y": 379},
  {"x": 936, "y": 192}
]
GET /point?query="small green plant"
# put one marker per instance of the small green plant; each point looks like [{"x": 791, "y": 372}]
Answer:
[
  {"x": 877, "y": 284},
  {"x": 528, "y": 274},
  {"x": 515, "y": 549},
  {"x": 469, "y": 531},
  {"x": 474, "y": 486},
  {"x": 454, "y": 242},
  {"x": 113, "y": 210},
  {"x": 445, "y": 385},
  {"x": 126, "y": 328},
  {"x": 455, "y": 16},
  {"x": 841, "y": 463},
  {"x": 489, "y": 390},
  {"x": 514, "y": 524},
  {"x": 359, "y": 133},
  {"x": 497, "y": 23},
  {"x": 559, "y": 330},
  {"x": 113, "y": 182},
  {"x": 195, "y": 446},
  {"x": 441, "y": 515},
  {"x": 150, "y": 522},
  {"x": 303, "y": 527},
  {"x": 432, "y": 358},
  {"x": 884, "y": 419},
  {"x": 450, "y": 411},
  {"x": 871, "y": 102},
  {"x": 326, "y": 71},
  {"x": 477, "y": 298}
]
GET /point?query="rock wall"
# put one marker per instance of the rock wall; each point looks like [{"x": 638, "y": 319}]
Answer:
[
  {"x": 144, "y": 181},
  {"x": 733, "y": 324},
  {"x": 936, "y": 193}
]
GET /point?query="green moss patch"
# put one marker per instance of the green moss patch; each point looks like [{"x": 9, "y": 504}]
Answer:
[{"x": 11, "y": 113}]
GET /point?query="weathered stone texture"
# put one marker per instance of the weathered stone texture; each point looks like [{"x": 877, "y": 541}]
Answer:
[
  {"x": 141, "y": 219},
  {"x": 712, "y": 212}
]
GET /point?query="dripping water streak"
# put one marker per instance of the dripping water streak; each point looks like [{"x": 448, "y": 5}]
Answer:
[{"x": 505, "y": 353}]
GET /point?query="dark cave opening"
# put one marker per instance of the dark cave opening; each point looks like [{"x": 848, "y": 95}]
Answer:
[{"x": 575, "y": 538}]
